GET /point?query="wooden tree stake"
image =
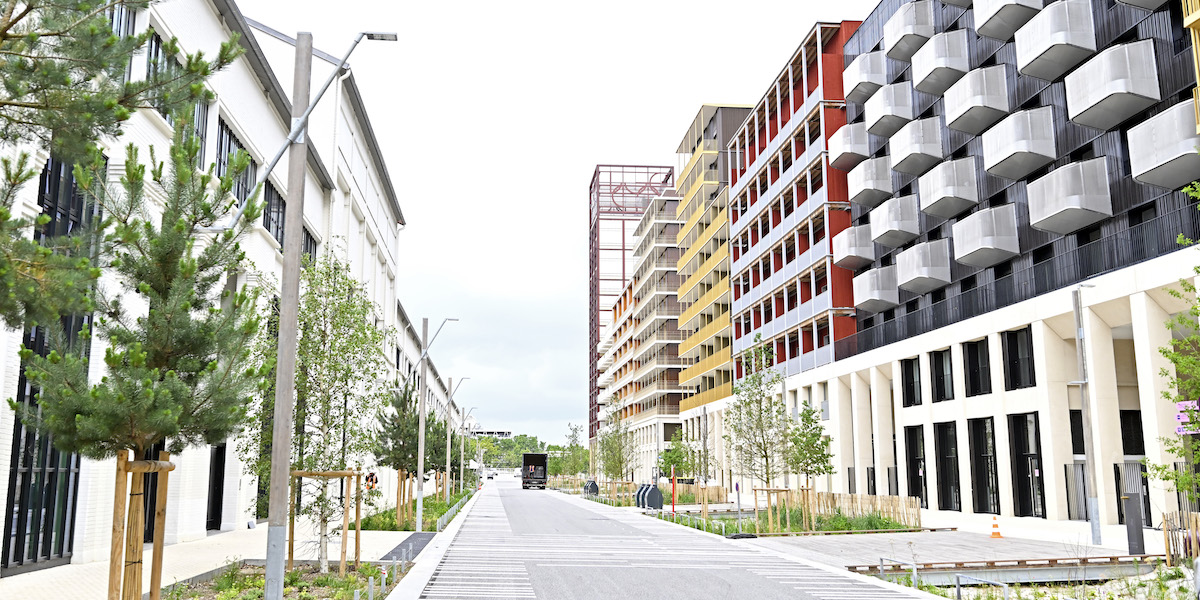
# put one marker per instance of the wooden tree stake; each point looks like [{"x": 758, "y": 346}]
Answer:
[
  {"x": 118, "y": 528},
  {"x": 134, "y": 536},
  {"x": 345, "y": 523},
  {"x": 357, "y": 519},
  {"x": 160, "y": 528},
  {"x": 291, "y": 522}
]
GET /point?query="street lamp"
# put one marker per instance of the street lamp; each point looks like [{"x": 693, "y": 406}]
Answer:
[
  {"x": 1089, "y": 478},
  {"x": 426, "y": 342},
  {"x": 449, "y": 404},
  {"x": 462, "y": 444},
  {"x": 289, "y": 297}
]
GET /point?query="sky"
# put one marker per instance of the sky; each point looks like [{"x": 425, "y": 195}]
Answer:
[{"x": 492, "y": 117}]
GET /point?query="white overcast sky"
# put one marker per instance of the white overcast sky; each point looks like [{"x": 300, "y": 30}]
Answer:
[{"x": 492, "y": 116}]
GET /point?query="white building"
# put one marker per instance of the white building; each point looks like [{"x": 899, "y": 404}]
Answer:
[{"x": 58, "y": 507}]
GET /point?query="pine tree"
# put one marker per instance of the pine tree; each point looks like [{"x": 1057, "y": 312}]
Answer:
[
  {"x": 65, "y": 87},
  {"x": 340, "y": 383},
  {"x": 756, "y": 425}
]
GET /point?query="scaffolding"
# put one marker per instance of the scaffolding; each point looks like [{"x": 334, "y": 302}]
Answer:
[{"x": 618, "y": 196}]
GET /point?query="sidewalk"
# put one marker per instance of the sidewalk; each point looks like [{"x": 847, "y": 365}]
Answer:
[{"x": 89, "y": 581}]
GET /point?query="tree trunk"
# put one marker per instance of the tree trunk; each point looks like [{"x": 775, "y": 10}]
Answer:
[
  {"x": 135, "y": 533},
  {"x": 323, "y": 524}
]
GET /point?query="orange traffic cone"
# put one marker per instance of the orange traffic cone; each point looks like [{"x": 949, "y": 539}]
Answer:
[{"x": 996, "y": 528}]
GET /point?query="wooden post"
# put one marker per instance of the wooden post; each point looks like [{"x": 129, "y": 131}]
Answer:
[
  {"x": 755, "y": 510},
  {"x": 118, "y": 528},
  {"x": 345, "y": 523},
  {"x": 160, "y": 528},
  {"x": 357, "y": 520},
  {"x": 291, "y": 521},
  {"x": 134, "y": 536},
  {"x": 399, "y": 498}
]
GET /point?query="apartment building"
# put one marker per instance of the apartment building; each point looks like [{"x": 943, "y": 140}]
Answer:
[
  {"x": 641, "y": 383},
  {"x": 1004, "y": 159},
  {"x": 704, "y": 291},
  {"x": 618, "y": 196},
  {"x": 58, "y": 507}
]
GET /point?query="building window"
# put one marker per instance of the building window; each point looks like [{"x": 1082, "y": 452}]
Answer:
[
  {"x": 273, "y": 212},
  {"x": 121, "y": 19},
  {"x": 1027, "y": 479},
  {"x": 1132, "y": 443},
  {"x": 159, "y": 67},
  {"x": 943, "y": 375},
  {"x": 977, "y": 368},
  {"x": 310, "y": 245},
  {"x": 985, "y": 484},
  {"x": 227, "y": 144},
  {"x": 945, "y": 447},
  {"x": 200, "y": 128},
  {"x": 914, "y": 443},
  {"x": 910, "y": 377},
  {"x": 1077, "y": 445},
  {"x": 1018, "y": 359}
]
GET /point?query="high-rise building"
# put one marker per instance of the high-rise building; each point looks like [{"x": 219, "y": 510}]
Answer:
[
  {"x": 1007, "y": 161},
  {"x": 704, "y": 276},
  {"x": 618, "y": 195}
]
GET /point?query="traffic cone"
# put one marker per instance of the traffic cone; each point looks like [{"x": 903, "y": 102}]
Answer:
[{"x": 996, "y": 529}]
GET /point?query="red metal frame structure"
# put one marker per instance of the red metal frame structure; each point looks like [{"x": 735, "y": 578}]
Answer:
[{"x": 618, "y": 196}]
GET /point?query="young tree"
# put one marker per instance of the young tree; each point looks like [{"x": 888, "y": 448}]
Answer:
[
  {"x": 616, "y": 449},
  {"x": 340, "y": 382},
  {"x": 681, "y": 457},
  {"x": 810, "y": 454},
  {"x": 576, "y": 454},
  {"x": 757, "y": 427},
  {"x": 177, "y": 363},
  {"x": 65, "y": 88}
]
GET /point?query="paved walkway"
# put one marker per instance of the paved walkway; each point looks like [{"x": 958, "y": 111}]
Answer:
[{"x": 89, "y": 581}]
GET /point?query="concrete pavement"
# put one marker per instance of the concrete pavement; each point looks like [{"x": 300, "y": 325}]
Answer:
[{"x": 520, "y": 544}]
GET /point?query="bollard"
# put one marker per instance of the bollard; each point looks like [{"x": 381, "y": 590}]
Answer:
[
  {"x": 383, "y": 580},
  {"x": 356, "y": 596},
  {"x": 371, "y": 588}
]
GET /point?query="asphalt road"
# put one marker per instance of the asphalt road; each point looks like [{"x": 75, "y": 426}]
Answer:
[{"x": 521, "y": 544}]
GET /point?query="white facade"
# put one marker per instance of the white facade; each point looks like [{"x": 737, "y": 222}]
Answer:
[{"x": 350, "y": 209}]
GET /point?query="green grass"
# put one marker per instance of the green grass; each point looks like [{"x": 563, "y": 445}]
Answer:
[{"x": 432, "y": 510}]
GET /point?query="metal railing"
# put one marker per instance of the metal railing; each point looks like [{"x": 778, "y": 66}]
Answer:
[
  {"x": 958, "y": 584},
  {"x": 883, "y": 567},
  {"x": 449, "y": 516}
]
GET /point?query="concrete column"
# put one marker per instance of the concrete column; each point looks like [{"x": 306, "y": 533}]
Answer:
[
  {"x": 860, "y": 391},
  {"x": 1158, "y": 415},
  {"x": 1054, "y": 366},
  {"x": 1004, "y": 466},
  {"x": 883, "y": 425},
  {"x": 841, "y": 428},
  {"x": 1106, "y": 416}
]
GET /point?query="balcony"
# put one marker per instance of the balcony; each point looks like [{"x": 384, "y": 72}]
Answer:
[
  {"x": 849, "y": 146},
  {"x": 917, "y": 146},
  {"x": 924, "y": 267},
  {"x": 1000, "y": 19},
  {"x": 853, "y": 248},
  {"x": 1056, "y": 39},
  {"x": 1071, "y": 197},
  {"x": 864, "y": 76},
  {"x": 941, "y": 62},
  {"x": 987, "y": 237},
  {"x": 1145, "y": 4},
  {"x": 720, "y": 358},
  {"x": 1118, "y": 83},
  {"x": 717, "y": 326},
  {"x": 908, "y": 29},
  {"x": 896, "y": 222},
  {"x": 949, "y": 188},
  {"x": 978, "y": 100},
  {"x": 959, "y": 3},
  {"x": 870, "y": 182},
  {"x": 1162, "y": 151},
  {"x": 657, "y": 411},
  {"x": 876, "y": 290},
  {"x": 701, "y": 398},
  {"x": 889, "y": 109},
  {"x": 1020, "y": 144}
]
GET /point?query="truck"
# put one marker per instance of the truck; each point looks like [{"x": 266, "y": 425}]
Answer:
[{"x": 533, "y": 471}]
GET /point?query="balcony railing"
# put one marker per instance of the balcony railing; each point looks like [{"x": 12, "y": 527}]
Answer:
[
  {"x": 702, "y": 334},
  {"x": 1140, "y": 243},
  {"x": 716, "y": 291},
  {"x": 720, "y": 358},
  {"x": 707, "y": 396}
]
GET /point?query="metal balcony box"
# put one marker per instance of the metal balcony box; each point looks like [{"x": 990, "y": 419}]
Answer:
[
  {"x": 853, "y": 248},
  {"x": 889, "y": 109},
  {"x": 924, "y": 267},
  {"x": 896, "y": 222},
  {"x": 960, "y": 3},
  {"x": 864, "y": 76},
  {"x": 870, "y": 182},
  {"x": 1115, "y": 85},
  {"x": 876, "y": 290},
  {"x": 848, "y": 146},
  {"x": 1056, "y": 39},
  {"x": 1000, "y": 19},
  {"x": 908, "y": 29},
  {"x": 987, "y": 237},
  {"x": 941, "y": 62},
  {"x": 1145, "y": 4},
  {"x": 949, "y": 188},
  {"x": 978, "y": 100},
  {"x": 1071, "y": 197},
  {"x": 1020, "y": 144},
  {"x": 917, "y": 146},
  {"x": 1162, "y": 151}
]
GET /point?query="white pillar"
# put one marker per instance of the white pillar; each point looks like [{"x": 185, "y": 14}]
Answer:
[
  {"x": 1158, "y": 414},
  {"x": 1106, "y": 416}
]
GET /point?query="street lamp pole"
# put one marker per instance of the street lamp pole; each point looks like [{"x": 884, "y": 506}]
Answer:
[
  {"x": 462, "y": 444},
  {"x": 1089, "y": 478},
  {"x": 289, "y": 298},
  {"x": 426, "y": 342},
  {"x": 449, "y": 432}
]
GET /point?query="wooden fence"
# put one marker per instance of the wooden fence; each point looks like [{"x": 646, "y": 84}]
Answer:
[
  {"x": 905, "y": 510},
  {"x": 1180, "y": 537},
  {"x": 715, "y": 493}
]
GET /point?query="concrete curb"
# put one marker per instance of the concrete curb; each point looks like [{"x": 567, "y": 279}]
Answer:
[{"x": 418, "y": 577}]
